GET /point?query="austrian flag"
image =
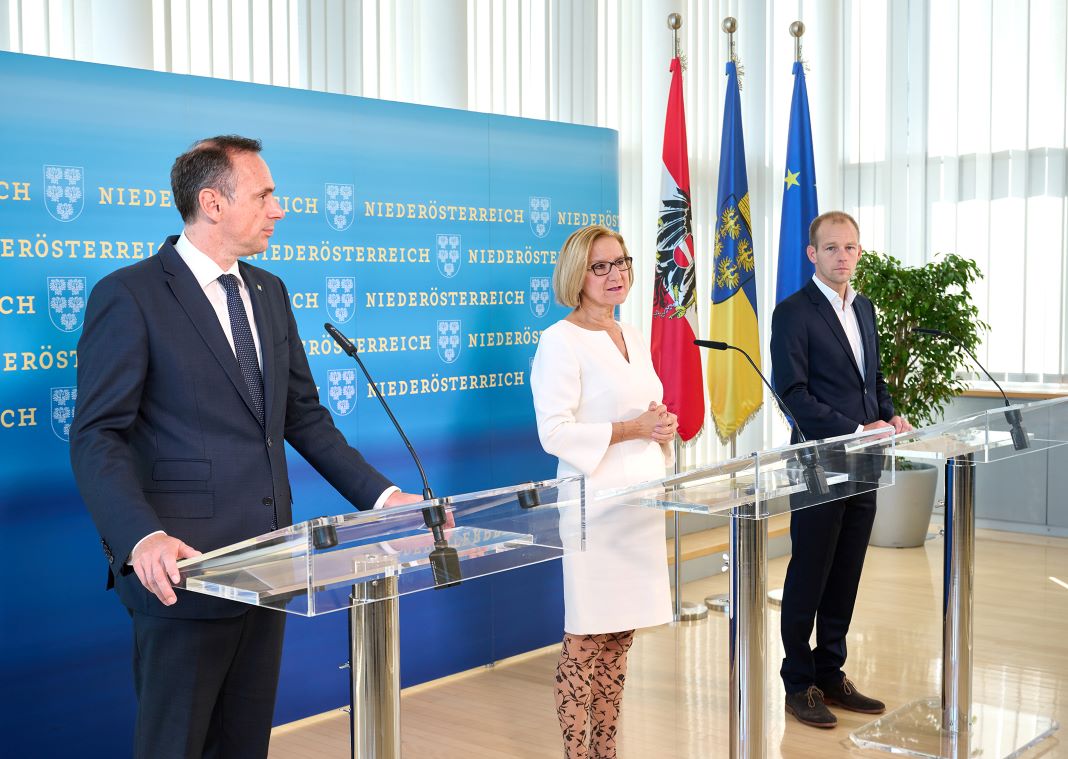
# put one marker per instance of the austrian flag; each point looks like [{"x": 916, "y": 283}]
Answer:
[{"x": 675, "y": 357}]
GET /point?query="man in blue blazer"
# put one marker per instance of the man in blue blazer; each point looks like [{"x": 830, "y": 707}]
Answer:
[
  {"x": 191, "y": 377},
  {"x": 825, "y": 361}
]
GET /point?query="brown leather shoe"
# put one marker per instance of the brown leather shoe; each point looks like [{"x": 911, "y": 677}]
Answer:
[
  {"x": 845, "y": 694},
  {"x": 809, "y": 708}
]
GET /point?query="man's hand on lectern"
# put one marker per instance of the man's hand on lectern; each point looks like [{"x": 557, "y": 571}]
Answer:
[{"x": 155, "y": 560}]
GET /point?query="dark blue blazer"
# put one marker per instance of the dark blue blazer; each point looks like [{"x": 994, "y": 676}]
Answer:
[
  {"x": 814, "y": 371},
  {"x": 165, "y": 436}
]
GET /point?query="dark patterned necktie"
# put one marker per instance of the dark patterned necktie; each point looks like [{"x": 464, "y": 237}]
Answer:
[{"x": 244, "y": 345}]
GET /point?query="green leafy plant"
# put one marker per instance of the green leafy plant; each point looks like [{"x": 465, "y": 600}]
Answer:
[{"x": 921, "y": 370}]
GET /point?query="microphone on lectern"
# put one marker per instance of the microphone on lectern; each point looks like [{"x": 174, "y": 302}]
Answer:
[
  {"x": 444, "y": 560},
  {"x": 814, "y": 473},
  {"x": 1012, "y": 415}
]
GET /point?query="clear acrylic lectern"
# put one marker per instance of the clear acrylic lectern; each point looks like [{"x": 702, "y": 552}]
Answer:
[
  {"x": 749, "y": 490},
  {"x": 955, "y": 726},
  {"x": 364, "y": 561}
]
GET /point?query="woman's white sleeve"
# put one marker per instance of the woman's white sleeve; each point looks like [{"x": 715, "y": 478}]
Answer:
[{"x": 556, "y": 383}]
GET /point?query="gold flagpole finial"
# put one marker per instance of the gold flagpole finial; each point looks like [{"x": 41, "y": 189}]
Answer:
[
  {"x": 674, "y": 22},
  {"x": 730, "y": 26},
  {"x": 796, "y": 30}
]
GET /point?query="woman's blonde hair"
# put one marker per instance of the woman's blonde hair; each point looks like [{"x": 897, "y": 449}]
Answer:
[{"x": 570, "y": 273}]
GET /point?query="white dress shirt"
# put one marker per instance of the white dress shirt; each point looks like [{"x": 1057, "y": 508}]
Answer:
[
  {"x": 206, "y": 272},
  {"x": 843, "y": 309}
]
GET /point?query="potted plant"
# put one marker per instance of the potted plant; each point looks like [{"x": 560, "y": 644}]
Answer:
[{"x": 921, "y": 371}]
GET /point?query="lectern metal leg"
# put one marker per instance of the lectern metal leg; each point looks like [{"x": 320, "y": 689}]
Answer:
[
  {"x": 748, "y": 636},
  {"x": 957, "y": 594},
  {"x": 374, "y": 667},
  {"x": 678, "y": 540},
  {"x": 677, "y": 568}
]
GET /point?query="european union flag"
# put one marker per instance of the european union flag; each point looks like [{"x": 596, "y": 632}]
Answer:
[
  {"x": 734, "y": 389},
  {"x": 799, "y": 206}
]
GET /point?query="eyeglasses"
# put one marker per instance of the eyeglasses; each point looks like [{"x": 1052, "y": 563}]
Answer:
[{"x": 601, "y": 268}]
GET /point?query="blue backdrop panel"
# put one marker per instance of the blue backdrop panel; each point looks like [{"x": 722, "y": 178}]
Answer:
[{"x": 427, "y": 235}]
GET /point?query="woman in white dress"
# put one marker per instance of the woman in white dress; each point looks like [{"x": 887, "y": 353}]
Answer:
[{"x": 598, "y": 406}]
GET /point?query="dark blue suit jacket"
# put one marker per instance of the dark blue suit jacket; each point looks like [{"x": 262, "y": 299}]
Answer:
[
  {"x": 165, "y": 436},
  {"x": 814, "y": 371}
]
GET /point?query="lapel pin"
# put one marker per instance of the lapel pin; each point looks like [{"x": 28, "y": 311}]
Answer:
[{"x": 259, "y": 287}]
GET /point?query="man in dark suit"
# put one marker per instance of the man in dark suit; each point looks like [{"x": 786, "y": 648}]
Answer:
[
  {"x": 191, "y": 375},
  {"x": 825, "y": 360}
]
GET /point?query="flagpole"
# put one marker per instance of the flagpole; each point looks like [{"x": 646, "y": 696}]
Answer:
[
  {"x": 674, "y": 22},
  {"x": 797, "y": 29},
  {"x": 691, "y": 612},
  {"x": 748, "y": 597}
]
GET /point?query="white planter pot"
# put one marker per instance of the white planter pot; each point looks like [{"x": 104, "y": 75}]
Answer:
[{"x": 903, "y": 512}]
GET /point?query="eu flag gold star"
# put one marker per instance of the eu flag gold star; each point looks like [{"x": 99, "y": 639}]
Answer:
[{"x": 791, "y": 179}]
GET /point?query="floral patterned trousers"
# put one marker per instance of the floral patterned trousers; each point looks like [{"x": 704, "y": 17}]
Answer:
[{"x": 589, "y": 689}]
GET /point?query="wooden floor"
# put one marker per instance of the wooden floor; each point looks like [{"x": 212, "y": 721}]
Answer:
[{"x": 676, "y": 697}]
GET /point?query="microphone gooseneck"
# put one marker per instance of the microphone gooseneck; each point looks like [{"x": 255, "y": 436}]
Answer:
[
  {"x": 444, "y": 560},
  {"x": 1012, "y": 415},
  {"x": 716, "y": 345},
  {"x": 346, "y": 345},
  {"x": 809, "y": 456}
]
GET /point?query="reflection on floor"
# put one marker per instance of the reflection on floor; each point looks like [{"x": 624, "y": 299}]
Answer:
[{"x": 676, "y": 699}]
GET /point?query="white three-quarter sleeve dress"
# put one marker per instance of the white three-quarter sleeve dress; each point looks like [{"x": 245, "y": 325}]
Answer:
[{"x": 581, "y": 384}]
